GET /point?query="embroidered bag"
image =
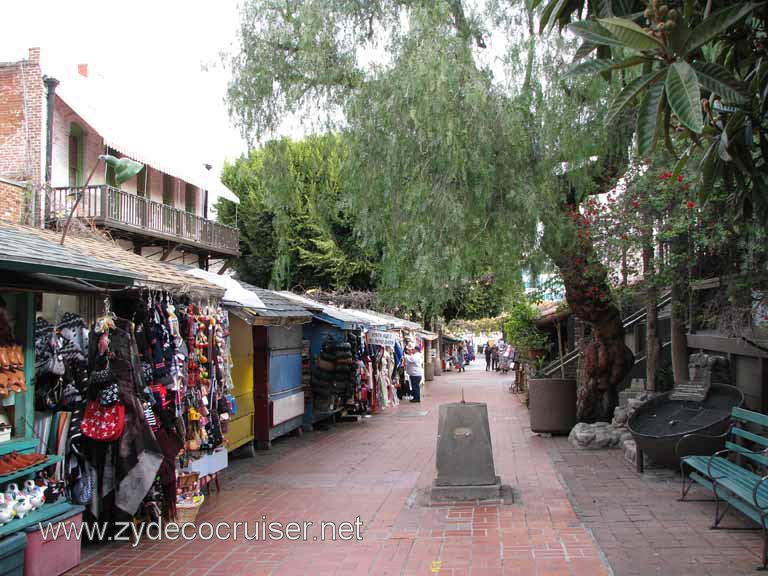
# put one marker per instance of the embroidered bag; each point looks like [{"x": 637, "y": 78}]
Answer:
[
  {"x": 109, "y": 394},
  {"x": 104, "y": 423}
]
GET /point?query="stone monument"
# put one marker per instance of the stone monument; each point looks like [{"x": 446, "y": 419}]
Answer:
[{"x": 465, "y": 469}]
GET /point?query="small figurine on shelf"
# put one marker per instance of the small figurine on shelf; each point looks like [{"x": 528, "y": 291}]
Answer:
[
  {"x": 22, "y": 506},
  {"x": 35, "y": 493},
  {"x": 6, "y": 510}
]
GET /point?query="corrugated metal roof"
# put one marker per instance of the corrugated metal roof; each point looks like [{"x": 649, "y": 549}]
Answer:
[
  {"x": 23, "y": 245},
  {"x": 101, "y": 253}
]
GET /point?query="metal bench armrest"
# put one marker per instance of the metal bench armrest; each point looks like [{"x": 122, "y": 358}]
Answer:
[
  {"x": 754, "y": 494},
  {"x": 694, "y": 435},
  {"x": 711, "y": 458}
]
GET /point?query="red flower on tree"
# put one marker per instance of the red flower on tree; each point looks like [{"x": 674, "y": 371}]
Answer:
[{"x": 691, "y": 204}]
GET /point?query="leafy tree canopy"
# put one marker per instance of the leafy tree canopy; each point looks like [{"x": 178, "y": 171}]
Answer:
[
  {"x": 456, "y": 154},
  {"x": 295, "y": 228}
]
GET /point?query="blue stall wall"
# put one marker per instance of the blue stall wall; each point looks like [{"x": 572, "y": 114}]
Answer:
[
  {"x": 316, "y": 333},
  {"x": 284, "y": 374}
]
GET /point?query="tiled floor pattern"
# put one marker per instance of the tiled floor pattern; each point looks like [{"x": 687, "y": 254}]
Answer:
[
  {"x": 642, "y": 527},
  {"x": 377, "y": 469}
]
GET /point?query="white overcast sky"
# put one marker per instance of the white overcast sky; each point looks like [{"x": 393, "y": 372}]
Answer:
[
  {"x": 148, "y": 56},
  {"x": 150, "y": 53}
]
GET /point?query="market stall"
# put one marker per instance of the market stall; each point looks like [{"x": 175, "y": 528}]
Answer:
[
  {"x": 340, "y": 368},
  {"x": 33, "y": 481},
  {"x": 267, "y": 355},
  {"x": 131, "y": 384}
]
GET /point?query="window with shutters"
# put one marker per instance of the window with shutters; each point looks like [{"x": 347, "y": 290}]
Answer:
[
  {"x": 168, "y": 190},
  {"x": 142, "y": 182},
  {"x": 75, "y": 155},
  {"x": 189, "y": 198}
]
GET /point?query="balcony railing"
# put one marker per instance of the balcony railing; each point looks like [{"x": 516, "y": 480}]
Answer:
[{"x": 117, "y": 209}]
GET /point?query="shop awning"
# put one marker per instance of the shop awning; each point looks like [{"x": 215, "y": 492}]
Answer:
[
  {"x": 426, "y": 335},
  {"x": 24, "y": 250},
  {"x": 256, "y": 306},
  {"x": 340, "y": 317},
  {"x": 85, "y": 255},
  {"x": 450, "y": 338}
]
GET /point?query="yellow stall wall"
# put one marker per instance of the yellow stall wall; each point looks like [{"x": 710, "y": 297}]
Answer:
[{"x": 241, "y": 346}]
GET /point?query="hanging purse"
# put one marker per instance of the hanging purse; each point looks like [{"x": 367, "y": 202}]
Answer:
[
  {"x": 103, "y": 423},
  {"x": 109, "y": 394},
  {"x": 82, "y": 491}
]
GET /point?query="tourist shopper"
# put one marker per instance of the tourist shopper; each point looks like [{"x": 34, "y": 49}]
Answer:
[
  {"x": 460, "y": 358},
  {"x": 414, "y": 367}
]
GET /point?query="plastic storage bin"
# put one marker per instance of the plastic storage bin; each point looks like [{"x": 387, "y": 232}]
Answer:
[
  {"x": 53, "y": 557},
  {"x": 12, "y": 554}
]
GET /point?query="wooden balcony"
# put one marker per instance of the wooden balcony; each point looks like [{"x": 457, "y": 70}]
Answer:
[{"x": 134, "y": 216}]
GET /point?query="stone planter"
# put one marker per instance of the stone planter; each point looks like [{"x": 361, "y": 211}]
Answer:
[{"x": 552, "y": 404}]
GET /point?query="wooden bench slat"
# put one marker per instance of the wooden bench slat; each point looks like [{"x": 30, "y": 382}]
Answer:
[
  {"x": 749, "y": 436},
  {"x": 757, "y": 457},
  {"x": 741, "y": 505},
  {"x": 749, "y": 416}
]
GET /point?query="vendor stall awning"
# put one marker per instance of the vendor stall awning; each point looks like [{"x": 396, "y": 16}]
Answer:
[
  {"x": 24, "y": 250},
  {"x": 450, "y": 338},
  {"x": 255, "y": 305},
  {"x": 339, "y": 317},
  {"x": 97, "y": 255}
]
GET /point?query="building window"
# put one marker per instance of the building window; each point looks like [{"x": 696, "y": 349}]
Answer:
[
  {"x": 142, "y": 182},
  {"x": 168, "y": 190},
  {"x": 75, "y": 155},
  {"x": 189, "y": 198}
]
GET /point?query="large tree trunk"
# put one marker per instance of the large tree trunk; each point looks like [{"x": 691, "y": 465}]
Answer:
[
  {"x": 607, "y": 359},
  {"x": 677, "y": 321},
  {"x": 652, "y": 347}
]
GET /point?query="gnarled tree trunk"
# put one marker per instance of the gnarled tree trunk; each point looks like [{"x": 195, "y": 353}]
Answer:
[{"x": 606, "y": 358}]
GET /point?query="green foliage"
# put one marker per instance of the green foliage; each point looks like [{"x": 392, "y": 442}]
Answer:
[
  {"x": 482, "y": 298},
  {"x": 520, "y": 327},
  {"x": 294, "y": 225},
  {"x": 456, "y": 162},
  {"x": 710, "y": 58}
]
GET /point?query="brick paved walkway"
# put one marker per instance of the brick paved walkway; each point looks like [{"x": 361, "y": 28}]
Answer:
[
  {"x": 376, "y": 469},
  {"x": 640, "y": 525}
]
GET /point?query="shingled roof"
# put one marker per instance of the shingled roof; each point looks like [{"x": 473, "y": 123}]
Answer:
[
  {"x": 102, "y": 254},
  {"x": 25, "y": 252}
]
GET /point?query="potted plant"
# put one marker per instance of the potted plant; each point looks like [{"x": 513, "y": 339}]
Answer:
[{"x": 551, "y": 401}]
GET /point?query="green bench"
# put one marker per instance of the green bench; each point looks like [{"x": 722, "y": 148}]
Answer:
[{"x": 734, "y": 485}]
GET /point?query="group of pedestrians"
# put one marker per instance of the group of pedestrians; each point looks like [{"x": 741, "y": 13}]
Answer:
[{"x": 491, "y": 356}]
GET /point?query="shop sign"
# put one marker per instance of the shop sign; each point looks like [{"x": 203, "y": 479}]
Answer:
[{"x": 379, "y": 338}]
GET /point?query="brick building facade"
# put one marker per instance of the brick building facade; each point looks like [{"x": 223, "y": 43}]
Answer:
[{"x": 22, "y": 110}]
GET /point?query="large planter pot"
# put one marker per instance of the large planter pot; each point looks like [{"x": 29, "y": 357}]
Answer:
[
  {"x": 552, "y": 404},
  {"x": 658, "y": 425}
]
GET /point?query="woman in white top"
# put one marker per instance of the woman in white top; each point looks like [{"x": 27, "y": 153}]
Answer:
[{"x": 414, "y": 367}]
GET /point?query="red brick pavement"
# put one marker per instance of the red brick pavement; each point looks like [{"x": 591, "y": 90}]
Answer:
[
  {"x": 642, "y": 527},
  {"x": 377, "y": 469}
]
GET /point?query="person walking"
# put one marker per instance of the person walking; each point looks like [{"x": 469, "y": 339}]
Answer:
[
  {"x": 414, "y": 367},
  {"x": 487, "y": 358},
  {"x": 461, "y": 358},
  {"x": 495, "y": 358}
]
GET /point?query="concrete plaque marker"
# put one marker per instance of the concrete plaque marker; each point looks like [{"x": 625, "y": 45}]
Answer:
[{"x": 465, "y": 469}]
